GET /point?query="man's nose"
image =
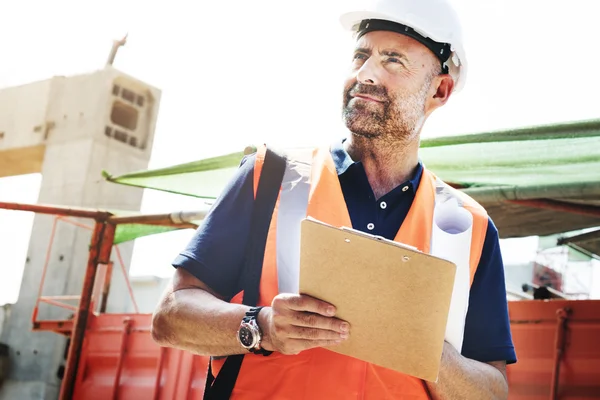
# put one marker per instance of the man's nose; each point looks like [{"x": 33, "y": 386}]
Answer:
[{"x": 368, "y": 73}]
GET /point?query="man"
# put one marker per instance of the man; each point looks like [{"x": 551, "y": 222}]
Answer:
[{"x": 407, "y": 62}]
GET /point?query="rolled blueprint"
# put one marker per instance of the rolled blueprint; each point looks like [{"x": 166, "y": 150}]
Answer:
[{"x": 451, "y": 240}]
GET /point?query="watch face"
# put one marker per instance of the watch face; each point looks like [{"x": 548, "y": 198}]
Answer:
[{"x": 246, "y": 337}]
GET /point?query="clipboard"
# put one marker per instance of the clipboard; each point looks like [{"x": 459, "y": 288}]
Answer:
[{"x": 395, "y": 297}]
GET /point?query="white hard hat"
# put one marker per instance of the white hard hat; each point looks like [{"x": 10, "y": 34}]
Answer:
[{"x": 433, "y": 20}]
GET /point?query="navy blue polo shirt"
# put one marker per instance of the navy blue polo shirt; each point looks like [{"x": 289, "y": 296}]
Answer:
[{"x": 215, "y": 253}]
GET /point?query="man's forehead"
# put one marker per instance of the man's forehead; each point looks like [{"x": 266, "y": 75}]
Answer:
[{"x": 379, "y": 40}]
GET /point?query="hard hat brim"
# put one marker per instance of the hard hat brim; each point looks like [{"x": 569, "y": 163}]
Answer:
[{"x": 351, "y": 21}]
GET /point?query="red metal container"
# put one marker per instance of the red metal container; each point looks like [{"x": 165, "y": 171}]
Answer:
[{"x": 558, "y": 350}]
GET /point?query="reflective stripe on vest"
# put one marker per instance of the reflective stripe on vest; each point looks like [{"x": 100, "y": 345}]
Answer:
[{"x": 311, "y": 187}]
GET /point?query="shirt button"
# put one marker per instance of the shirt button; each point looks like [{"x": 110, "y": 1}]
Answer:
[
  {"x": 405, "y": 188},
  {"x": 370, "y": 226},
  {"x": 383, "y": 205}
]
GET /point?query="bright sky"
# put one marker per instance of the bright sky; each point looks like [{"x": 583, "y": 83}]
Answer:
[{"x": 240, "y": 72}]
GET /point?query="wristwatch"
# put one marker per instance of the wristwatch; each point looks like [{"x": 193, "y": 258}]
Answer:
[{"x": 250, "y": 335}]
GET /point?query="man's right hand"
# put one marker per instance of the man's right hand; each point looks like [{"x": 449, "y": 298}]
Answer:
[{"x": 296, "y": 322}]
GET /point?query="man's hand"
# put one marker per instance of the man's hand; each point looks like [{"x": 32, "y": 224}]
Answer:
[{"x": 295, "y": 323}]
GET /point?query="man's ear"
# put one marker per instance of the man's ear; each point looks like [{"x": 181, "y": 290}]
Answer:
[
  {"x": 441, "y": 86},
  {"x": 444, "y": 89}
]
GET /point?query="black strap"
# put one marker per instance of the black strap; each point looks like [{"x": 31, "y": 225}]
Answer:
[
  {"x": 441, "y": 50},
  {"x": 221, "y": 386}
]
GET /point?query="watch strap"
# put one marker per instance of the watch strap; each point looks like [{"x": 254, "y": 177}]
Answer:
[{"x": 252, "y": 314}]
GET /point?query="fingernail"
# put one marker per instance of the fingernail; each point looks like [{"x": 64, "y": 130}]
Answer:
[
  {"x": 344, "y": 336},
  {"x": 331, "y": 310},
  {"x": 344, "y": 327}
]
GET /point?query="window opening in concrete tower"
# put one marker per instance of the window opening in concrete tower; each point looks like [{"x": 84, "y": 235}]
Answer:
[
  {"x": 124, "y": 115},
  {"x": 140, "y": 100},
  {"x": 121, "y": 136},
  {"x": 116, "y": 90},
  {"x": 128, "y": 95}
]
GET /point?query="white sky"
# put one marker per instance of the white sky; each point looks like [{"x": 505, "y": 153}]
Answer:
[{"x": 240, "y": 72}]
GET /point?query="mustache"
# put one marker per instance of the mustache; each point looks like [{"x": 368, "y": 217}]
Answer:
[{"x": 379, "y": 92}]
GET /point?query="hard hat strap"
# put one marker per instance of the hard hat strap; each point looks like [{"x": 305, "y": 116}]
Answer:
[{"x": 441, "y": 50}]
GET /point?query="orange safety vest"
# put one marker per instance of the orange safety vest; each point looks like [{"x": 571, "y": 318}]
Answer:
[{"x": 320, "y": 373}]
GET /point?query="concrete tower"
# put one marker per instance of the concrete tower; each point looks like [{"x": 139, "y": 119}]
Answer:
[{"x": 69, "y": 129}]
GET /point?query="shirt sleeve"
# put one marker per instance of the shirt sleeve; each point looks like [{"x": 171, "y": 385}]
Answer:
[
  {"x": 216, "y": 251},
  {"x": 487, "y": 326}
]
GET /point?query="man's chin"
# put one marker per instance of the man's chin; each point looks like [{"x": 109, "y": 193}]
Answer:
[
  {"x": 362, "y": 121},
  {"x": 363, "y": 129}
]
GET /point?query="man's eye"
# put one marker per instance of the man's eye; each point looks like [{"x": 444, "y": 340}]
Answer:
[
  {"x": 394, "y": 60},
  {"x": 359, "y": 56}
]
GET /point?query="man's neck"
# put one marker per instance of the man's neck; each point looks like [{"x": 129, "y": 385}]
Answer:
[{"x": 387, "y": 163}]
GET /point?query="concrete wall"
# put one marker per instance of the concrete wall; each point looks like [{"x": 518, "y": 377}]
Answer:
[
  {"x": 147, "y": 291},
  {"x": 78, "y": 141},
  {"x": 4, "y": 315},
  {"x": 22, "y": 128},
  {"x": 23, "y": 114},
  {"x": 71, "y": 108}
]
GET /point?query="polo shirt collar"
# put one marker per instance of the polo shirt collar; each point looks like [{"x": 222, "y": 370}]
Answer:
[{"x": 343, "y": 161}]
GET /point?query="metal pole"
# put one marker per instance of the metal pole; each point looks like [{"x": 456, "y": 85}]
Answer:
[
  {"x": 56, "y": 210},
  {"x": 100, "y": 248},
  {"x": 114, "y": 49},
  {"x": 562, "y": 315},
  {"x": 159, "y": 368},
  {"x": 561, "y": 206},
  {"x": 106, "y": 287},
  {"x": 121, "y": 359},
  {"x": 176, "y": 220}
]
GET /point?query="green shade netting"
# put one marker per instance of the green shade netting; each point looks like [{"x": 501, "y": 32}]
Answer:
[
  {"x": 203, "y": 178},
  {"x": 528, "y": 159},
  {"x": 127, "y": 232}
]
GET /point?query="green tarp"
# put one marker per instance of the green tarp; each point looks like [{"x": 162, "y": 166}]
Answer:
[
  {"x": 127, "y": 232},
  {"x": 203, "y": 178},
  {"x": 557, "y": 163}
]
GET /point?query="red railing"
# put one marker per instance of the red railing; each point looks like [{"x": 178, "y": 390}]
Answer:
[
  {"x": 99, "y": 293},
  {"x": 111, "y": 355}
]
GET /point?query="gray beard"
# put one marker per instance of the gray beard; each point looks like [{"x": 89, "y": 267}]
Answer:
[{"x": 396, "y": 119}]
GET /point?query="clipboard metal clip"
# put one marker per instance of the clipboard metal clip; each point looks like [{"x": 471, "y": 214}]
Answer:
[{"x": 379, "y": 238}]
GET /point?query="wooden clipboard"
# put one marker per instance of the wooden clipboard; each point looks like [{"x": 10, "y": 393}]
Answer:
[{"x": 395, "y": 297}]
